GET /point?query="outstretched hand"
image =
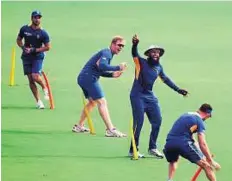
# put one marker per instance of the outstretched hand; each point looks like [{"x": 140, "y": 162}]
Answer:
[
  {"x": 183, "y": 92},
  {"x": 135, "y": 40},
  {"x": 123, "y": 66},
  {"x": 117, "y": 74}
]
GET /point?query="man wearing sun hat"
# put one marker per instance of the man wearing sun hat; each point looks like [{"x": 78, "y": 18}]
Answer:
[
  {"x": 142, "y": 97},
  {"x": 36, "y": 42},
  {"x": 180, "y": 142}
]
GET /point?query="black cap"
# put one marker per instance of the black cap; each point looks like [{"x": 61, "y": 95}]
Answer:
[
  {"x": 36, "y": 13},
  {"x": 206, "y": 108}
]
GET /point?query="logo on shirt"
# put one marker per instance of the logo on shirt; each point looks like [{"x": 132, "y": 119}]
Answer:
[
  {"x": 27, "y": 34},
  {"x": 38, "y": 36},
  {"x": 155, "y": 69}
]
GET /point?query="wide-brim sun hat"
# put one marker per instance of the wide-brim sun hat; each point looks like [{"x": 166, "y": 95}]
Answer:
[{"x": 156, "y": 47}]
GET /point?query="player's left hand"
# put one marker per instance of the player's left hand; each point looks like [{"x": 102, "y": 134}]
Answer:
[
  {"x": 183, "y": 92},
  {"x": 123, "y": 66},
  {"x": 117, "y": 74},
  {"x": 30, "y": 50}
]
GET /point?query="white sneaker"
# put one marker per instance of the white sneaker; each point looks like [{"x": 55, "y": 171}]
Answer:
[
  {"x": 46, "y": 94},
  {"x": 79, "y": 129},
  {"x": 156, "y": 153},
  {"x": 114, "y": 133},
  {"x": 40, "y": 104},
  {"x": 139, "y": 155}
]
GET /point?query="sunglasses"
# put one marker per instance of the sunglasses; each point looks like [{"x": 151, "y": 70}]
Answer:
[{"x": 120, "y": 45}]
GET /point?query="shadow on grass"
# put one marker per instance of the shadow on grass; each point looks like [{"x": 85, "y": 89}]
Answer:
[
  {"x": 48, "y": 132},
  {"x": 34, "y": 132},
  {"x": 17, "y": 107},
  {"x": 67, "y": 156}
]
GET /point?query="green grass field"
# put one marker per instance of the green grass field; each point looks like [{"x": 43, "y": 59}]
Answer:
[{"x": 38, "y": 145}]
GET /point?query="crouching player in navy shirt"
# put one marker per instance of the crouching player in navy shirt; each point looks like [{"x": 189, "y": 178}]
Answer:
[{"x": 180, "y": 142}]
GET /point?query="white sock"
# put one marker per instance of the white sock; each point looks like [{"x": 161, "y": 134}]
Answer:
[{"x": 39, "y": 101}]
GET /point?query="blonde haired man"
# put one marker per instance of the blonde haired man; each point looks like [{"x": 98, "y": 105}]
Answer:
[{"x": 88, "y": 79}]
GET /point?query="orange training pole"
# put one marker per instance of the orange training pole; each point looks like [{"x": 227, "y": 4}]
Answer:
[{"x": 51, "y": 101}]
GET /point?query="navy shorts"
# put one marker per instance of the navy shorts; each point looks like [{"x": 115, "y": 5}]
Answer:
[
  {"x": 91, "y": 89},
  {"x": 32, "y": 66},
  {"x": 188, "y": 150}
]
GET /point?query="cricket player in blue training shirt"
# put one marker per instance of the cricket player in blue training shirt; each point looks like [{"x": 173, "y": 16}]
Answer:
[
  {"x": 36, "y": 42},
  {"x": 88, "y": 79},
  {"x": 142, "y": 98},
  {"x": 180, "y": 142}
]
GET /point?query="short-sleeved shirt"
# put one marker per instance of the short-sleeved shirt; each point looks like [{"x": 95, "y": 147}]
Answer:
[
  {"x": 97, "y": 66},
  {"x": 185, "y": 126},
  {"x": 33, "y": 38}
]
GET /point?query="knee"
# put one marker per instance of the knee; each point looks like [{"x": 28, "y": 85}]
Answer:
[
  {"x": 31, "y": 81},
  {"x": 35, "y": 76},
  {"x": 101, "y": 102},
  {"x": 92, "y": 103},
  {"x": 156, "y": 123}
]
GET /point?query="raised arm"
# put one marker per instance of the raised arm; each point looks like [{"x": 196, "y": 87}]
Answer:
[
  {"x": 171, "y": 84},
  {"x": 134, "y": 50},
  {"x": 135, "y": 55}
]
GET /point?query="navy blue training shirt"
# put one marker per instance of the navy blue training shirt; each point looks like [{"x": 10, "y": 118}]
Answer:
[
  {"x": 185, "y": 126},
  {"x": 99, "y": 65},
  {"x": 35, "y": 38}
]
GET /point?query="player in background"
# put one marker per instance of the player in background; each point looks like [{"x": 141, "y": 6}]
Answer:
[{"x": 36, "y": 42}]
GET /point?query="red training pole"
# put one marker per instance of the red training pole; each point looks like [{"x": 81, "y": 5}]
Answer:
[{"x": 197, "y": 173}]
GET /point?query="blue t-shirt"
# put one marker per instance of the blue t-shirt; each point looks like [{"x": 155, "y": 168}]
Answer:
[
  {"x": 146, "y": 74},
  {"x": 185, "y": 126},
  {"x": 98, "y": 65},
  {"x": 35, "y": 38}
]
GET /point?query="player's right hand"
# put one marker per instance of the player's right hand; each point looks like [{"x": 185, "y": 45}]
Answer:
[
  {"x": 123, "y": 66},
  {"x": 135, "y": 40},
  {"x": 29, "y": 50},
  {"x": 215, "y": 165}
]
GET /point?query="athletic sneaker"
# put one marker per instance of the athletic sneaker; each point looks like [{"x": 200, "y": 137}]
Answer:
[
  {"x": 79, "y": 129},
  {"x": 114, "y": 133},
  {"x": 40, "y": 104},
  {"x": 139, "y": 155},
  {"x": 156, "y": 153},
  {"x": 46, "y": 95}
]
